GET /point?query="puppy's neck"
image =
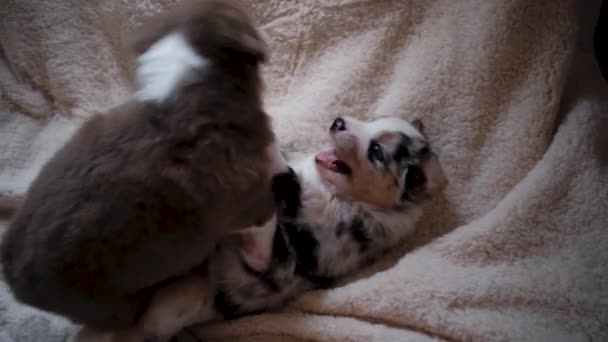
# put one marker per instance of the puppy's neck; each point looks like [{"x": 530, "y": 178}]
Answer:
[
  {"x": 320, "y": 205},
  {"x": 164, "y": 66}
]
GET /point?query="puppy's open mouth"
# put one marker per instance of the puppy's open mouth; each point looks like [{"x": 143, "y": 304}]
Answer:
[
  {"x": 415, "y": 177},
  {"x": 330, "y": 161}
]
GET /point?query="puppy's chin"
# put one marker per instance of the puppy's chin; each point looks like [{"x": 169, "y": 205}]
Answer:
[
  {"x": 341, "y": 182},
  {"x": 333, "y": 172}
]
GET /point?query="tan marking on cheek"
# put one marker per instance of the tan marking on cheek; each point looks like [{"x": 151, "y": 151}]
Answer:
[
  {"x": 374, "y": 188},
  {"x": 346, "y": 149},
  {"x": 364, "y": 184}
]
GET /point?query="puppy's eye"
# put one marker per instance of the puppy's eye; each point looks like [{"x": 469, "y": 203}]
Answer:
[{"x": 376, "y": 152}]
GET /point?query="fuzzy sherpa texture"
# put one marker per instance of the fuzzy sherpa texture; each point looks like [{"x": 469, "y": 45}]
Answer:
[{"x": 510, "y": 95}]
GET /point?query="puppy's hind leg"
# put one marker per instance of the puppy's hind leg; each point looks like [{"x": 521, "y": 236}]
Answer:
[{"x": 180, "y": 304}]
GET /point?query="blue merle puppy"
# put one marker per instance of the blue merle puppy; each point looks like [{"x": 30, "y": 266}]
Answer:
[{"x": 341, "y": 208}]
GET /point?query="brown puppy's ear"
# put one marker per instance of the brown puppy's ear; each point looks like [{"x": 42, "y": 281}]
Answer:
[
  {"x": 244, "y": 43},
  {"x": 141, "y": 40},
  {"x": 224, "y": 29},
  {"x": 417, "y": 123},
  {"x": 217, "y": 28},
  {"x": 154, "y": 28}
]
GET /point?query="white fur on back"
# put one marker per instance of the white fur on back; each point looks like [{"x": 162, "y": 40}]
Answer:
[{"x": 164, "y": 65}]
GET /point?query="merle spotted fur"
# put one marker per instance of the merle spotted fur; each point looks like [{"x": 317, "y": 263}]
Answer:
[{"x": 305, "y": 255}]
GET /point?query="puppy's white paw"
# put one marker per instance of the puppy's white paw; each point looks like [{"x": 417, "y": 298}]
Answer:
[{"x": 256, "y": 244}]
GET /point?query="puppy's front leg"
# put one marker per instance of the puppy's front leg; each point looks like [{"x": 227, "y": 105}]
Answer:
[{"x": 256, "y": 241}]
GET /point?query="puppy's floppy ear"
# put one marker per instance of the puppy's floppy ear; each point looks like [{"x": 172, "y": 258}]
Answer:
[
  {"x": 436, "y": 180},
  {"x": 220, "y": 28},
  {"x": 155, "y": 27},
  {"x": 225, "y": 29},
  {"x": 151, "y": 30},
  {"x": 244, "y": 43},
  {"x": 417, "y": 123}
]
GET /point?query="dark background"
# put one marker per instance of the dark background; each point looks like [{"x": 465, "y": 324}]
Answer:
[{"x": 599, "y": 41}]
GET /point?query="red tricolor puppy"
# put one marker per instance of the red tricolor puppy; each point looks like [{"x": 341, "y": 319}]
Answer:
[{"x": 142, "y": 194}]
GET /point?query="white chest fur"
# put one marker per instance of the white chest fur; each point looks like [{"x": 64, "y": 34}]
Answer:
[{"x": 326, "y": 214}]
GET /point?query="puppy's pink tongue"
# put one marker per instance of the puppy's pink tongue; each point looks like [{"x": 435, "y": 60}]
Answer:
[{"x": 326, "y": 158}]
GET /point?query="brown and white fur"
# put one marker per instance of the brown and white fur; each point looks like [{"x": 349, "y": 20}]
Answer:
[
  {"x": 340, "y": 209},
  {"x": 141, "y": 194}
]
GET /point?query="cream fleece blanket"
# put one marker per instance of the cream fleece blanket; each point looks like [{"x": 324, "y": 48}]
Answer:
[{"x": 517, "y": 247}]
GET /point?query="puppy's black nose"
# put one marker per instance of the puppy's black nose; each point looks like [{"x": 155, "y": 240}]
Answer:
[{"x": 338, "y": 125}]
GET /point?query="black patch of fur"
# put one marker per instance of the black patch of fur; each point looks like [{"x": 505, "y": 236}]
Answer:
[
  {"x": 305, "y": 246},
  {"x": 265, "y": 277},
  {"x": 359, "y": 234},
  {"x": 418, "y": 125},
  {"x": 402, "y": 151},
  {"x": 321, "y": 281},
  {"x": 280, "y": 251},
  {"x": 269, "y": 282},
  {"x": 287, "y": 191},
  {"x": 225, "y": 306},
  {"x": 341, "y": 228}
]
